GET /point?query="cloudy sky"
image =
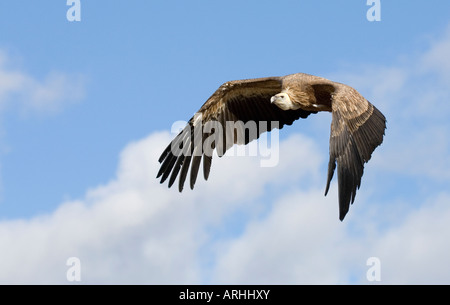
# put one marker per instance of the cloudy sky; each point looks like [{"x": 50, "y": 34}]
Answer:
[{"x": 86, "y": 108}]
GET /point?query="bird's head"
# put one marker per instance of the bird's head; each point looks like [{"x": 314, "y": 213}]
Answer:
[{"x": 283, "y": 101}]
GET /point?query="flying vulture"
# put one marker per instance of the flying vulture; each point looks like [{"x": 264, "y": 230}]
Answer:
[{"x": 357, "y": 127}]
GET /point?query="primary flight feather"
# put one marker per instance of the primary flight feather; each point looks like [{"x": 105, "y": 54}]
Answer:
[{"x": 239, "y": 111}]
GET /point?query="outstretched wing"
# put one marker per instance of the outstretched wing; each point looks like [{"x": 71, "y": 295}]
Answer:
[
  {"x": 357, "y": 128},
  {"x": 237, "y": 113}
]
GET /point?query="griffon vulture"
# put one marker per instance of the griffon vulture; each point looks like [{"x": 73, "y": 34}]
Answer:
[{"x": 357, "y": 127}]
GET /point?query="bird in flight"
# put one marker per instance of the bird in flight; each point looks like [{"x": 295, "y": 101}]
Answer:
[{"x": 240, "y": 111}]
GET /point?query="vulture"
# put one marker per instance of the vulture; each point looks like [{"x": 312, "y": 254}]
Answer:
[{"x": 255, "y": 106}]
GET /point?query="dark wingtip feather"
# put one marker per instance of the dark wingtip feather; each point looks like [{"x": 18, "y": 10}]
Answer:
[
  {"x": 207, "y": 160},
  {"x": 194, "y": 170},
  {"x": 345, "y": 183},
  {"x": 165, "y": 153},
  {"x": 175, "y": 170},
  {"x": 331, "y": 168},
  {"x": 183, "y": 173},
  {"x": 168, "y": 168}
]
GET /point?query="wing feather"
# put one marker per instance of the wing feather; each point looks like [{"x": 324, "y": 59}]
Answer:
[
  {"x": 357, "y": 128},
  {"x": 184, "y": 171},
  {"x": 244, "y": 101}
]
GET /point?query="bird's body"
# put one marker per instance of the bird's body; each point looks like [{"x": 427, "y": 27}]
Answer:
[{"x": 254, "y": 106}]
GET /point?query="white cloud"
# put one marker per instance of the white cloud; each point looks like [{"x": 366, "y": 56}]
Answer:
[
  {"x": 34, "y": 95},
  {"x": 134, "y": 230},
  {"x": 416, "y": 250},
  {"x": 292, "y": 245},
  {"x": 125, "y": 231},
  {"x": 301, "y": 243}
]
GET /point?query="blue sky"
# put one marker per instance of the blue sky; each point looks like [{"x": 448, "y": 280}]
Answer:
[{"x": 86, "y": 107}]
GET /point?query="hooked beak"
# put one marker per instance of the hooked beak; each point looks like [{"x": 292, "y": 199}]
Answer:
[{"x": 273, "y": 98}]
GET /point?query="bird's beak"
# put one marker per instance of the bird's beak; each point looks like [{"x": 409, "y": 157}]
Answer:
[{"x": 273, "y": 98}]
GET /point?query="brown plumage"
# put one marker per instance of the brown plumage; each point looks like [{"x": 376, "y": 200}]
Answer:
[{"x": 261, "y": 104}]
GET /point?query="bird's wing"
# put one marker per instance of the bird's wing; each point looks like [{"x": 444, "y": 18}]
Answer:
[
  {"x": 357, "y": 128},
  {"x": 244, "y": 103}
]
